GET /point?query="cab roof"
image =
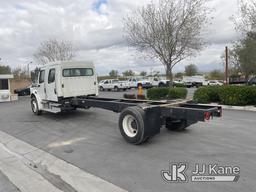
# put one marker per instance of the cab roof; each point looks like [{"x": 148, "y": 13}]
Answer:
[{"x": 70, "y": 64}]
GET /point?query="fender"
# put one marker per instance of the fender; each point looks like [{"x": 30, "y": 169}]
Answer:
[{"x": 36, "y": 95}]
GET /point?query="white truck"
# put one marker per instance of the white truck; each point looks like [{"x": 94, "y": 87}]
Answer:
[
  {"x": 194, "y": 81},
  {"x": 60, "y": 80},
  {"x": 112, "y": 84},
  {"x": 69, "y": 85},
  {"x": 135, "y": 82},
  {"x": 158, "y": 82}
]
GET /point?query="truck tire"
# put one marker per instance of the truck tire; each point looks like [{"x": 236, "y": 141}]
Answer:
[
  {"x": 34, "y": 106},
  {"x": 116, "y": 89},
  {"x": 131, "y": 125},
  {"x": 176, "y": 124},
  {"x": 101, "y": 88}
]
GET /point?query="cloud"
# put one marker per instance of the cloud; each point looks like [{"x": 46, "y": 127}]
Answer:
[{"x": 95, "y": 28}]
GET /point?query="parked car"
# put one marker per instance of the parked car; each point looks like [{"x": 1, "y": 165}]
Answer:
[
  {"x": 252, "y": 81},
  {"x": 135, "y": 82},
  {"x": 23, "y": 91},
  {"x": 112, "y": 84},
  {"x": 215, "y": 82}
]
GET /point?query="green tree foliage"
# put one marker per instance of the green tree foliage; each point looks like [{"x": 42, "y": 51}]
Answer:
[
  {"x": 128, "y": 73},
  {"x": 113, "y": 73},
  {"x": 179, "y": 75},
  {"x": 5, "y": 69},
  {"x": 191, "y": 70},
  {"x": 216, "y": 74},
  {"x": 245, "y": 50},
  {"x": 143, "y": 73}
]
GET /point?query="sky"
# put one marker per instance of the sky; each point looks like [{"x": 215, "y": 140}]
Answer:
[{"x": 95, "y": 27}]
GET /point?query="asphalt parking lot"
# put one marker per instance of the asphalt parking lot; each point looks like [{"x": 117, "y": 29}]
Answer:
[{"x": 90, "y": 139}]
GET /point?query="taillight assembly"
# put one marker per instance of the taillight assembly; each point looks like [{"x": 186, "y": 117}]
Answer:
[{"x": 207, "y": 115}]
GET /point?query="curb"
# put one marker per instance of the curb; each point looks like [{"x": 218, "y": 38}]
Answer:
[
  {"x": 236, "y": 108},
  {"x": 32, "y": 169}
]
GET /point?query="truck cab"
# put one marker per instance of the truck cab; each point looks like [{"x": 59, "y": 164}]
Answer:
[{"x": 58, "y": 82}]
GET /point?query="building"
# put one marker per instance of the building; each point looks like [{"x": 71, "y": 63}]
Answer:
[{"x": 5, "y": 89}]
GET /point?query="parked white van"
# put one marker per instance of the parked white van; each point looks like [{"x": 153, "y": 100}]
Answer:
[{"x": 60, "y": 81}]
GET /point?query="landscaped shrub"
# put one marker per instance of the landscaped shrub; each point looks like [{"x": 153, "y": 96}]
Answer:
[
  {"x": 237, "y": 95},
  {"x": 158, "y": 93},
  {"x": 166, "y": 93},
  {"x": 177, "y": 93},
  {"x": 227, "y": 95},
  {"x": 207, "y": 94}
]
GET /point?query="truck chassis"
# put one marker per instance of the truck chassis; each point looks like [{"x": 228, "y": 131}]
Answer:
[{"x": 139, "y": 120}]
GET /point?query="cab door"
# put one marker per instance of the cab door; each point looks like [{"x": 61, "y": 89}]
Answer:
[
  {"x": 51, "y": 93},
  {"x": 41, "y": 85},
  {"x": 107, "y": 84}
]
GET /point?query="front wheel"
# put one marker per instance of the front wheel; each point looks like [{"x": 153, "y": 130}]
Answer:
[{"x": 34, "y": 106}]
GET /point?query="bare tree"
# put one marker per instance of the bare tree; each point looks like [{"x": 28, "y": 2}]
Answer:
[
  {"x": 169, "y": 31},
  {"x": 246, "y": 20},
  {"x": 54, "y": 50}
]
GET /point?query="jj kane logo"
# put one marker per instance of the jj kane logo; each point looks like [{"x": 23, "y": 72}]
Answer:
[{"x": 177, "y": 172}]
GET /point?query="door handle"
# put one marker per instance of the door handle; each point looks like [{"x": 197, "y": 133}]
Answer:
[{"x": 55, "y": 91}]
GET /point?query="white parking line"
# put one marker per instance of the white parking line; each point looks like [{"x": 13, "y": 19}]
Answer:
[{"x": 33, "y": 170}]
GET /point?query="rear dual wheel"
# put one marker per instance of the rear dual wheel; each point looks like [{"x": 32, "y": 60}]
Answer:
[
  {"x": 131, "y": 125},
  {"x": 139, "y": 125}
]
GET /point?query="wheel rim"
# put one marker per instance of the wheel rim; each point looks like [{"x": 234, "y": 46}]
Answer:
[
  {"x": 130, "y": 126},
  {"x": 34, "y": 106}
]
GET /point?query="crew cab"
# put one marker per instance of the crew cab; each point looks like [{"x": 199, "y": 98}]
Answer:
[
  {"x": 60, "y": 81},
  {"x": 112, "y": 84},
  {"x": 135, "y": 82}
]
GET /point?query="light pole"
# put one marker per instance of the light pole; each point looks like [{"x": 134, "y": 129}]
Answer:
[
  {"x": 28, "y": 67},
  {"x": 226, "y": 65}
]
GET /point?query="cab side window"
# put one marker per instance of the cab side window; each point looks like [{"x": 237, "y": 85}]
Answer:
[
  {"x": 41, "y": 76},
  {"x": 51, "y": 76}
]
